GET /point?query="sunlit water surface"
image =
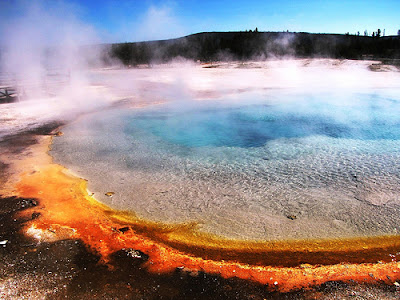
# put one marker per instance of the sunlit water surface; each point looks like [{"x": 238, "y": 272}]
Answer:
[{"x": 246, "y": 167}]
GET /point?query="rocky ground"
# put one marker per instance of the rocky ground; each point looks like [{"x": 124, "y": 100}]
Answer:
[{"x": 66, "y": 269}]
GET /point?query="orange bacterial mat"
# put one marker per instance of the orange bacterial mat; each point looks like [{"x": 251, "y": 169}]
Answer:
[{"x": 68, "y": 211}]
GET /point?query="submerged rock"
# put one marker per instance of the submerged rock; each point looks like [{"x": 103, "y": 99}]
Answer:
[
  {"x": 123, "y": 229},
  {"x": 58, "y": 133}
]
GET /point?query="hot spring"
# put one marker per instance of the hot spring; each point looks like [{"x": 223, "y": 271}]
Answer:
[{"x": 271, "y": 164}]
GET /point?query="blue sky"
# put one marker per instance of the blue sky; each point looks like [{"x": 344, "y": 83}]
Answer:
[{"x": 136, "y": 20}]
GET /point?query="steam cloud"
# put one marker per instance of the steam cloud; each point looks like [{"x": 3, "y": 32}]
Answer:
[
  {"x": 158, "y": 23},
  {"x": 44, "y": 57},
  {"x": 49, "y": 55}
]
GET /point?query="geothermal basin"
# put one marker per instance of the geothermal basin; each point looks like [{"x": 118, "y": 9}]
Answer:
[{"x": 261, "y": 152}]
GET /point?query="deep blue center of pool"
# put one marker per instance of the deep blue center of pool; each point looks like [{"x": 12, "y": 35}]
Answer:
[{"x": 371, "y": 118}]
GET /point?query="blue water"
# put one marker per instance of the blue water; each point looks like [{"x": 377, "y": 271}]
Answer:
[
  {"x": 367, "y": 118},
  {"x": 241, "y": 167}
]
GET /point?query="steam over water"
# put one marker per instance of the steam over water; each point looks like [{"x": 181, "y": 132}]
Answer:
[
  {"x": 240, "y": 164},
  {"x": 365, "y": 117}
]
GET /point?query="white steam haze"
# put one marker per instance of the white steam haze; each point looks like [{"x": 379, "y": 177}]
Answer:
[
  {"x": 48, "y": 55},
  {"x": 45, "y": 59},
  {"x": 158, "y": 23}
]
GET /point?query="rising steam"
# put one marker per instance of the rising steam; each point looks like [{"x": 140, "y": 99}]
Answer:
[
  {"x": 45, "y": 56},
  {"x": 49, "y": 56}
]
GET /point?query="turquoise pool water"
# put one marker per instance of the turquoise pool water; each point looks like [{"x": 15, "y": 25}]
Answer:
[
  {"x": 365, "y": 117},
  {"x": 241, "y": 167}
]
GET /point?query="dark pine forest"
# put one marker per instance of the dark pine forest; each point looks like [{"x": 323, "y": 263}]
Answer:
[{"x": 250, "y": 45}]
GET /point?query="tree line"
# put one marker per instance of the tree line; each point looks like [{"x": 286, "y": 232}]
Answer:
[{"x": 212, "y": 46}]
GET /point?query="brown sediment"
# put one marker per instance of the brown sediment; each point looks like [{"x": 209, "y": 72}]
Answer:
[{"x": 68, "y": 211}]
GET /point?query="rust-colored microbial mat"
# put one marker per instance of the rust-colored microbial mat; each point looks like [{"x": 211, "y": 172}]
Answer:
[{"x": 68, "y": 211}]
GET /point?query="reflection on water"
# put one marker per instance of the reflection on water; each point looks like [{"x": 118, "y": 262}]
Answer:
[{"x": 243, "y": 168}]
